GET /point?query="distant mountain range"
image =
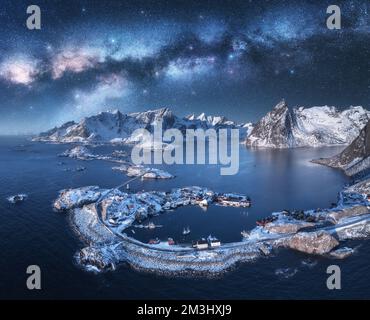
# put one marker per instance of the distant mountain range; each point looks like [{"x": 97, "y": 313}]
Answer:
[
  {"x": 280, "y": 128},
  {"x": 307, "y": 127},
  {"x": 114, "y": 126}
]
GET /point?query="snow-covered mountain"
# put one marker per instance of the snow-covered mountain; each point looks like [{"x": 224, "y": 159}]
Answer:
[
  {"x": 114, "y": 126},
  {"x": 307, "y": 127},
  {"x": 218, "y": 122},
  {"x": 274, "y": 129},
  {"x": 355, "y": 158}
]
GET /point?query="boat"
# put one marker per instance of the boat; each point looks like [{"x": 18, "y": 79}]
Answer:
[
  {"x": 151, "y": 225},
  {"x": 170, "y": 241},
  {"x": 186, "y": 231},
  {"x": 154, "y": 241},
  {"x": 213, "y": 242}
]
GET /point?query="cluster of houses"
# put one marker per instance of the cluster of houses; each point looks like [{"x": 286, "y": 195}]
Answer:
[
  {"x": 204, "y": 197},
  {"x": 203, "y": 243},
  {"x": 233, "y": 200}
]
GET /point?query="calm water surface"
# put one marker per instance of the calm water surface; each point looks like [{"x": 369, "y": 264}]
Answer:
[{"x": 31, "y": 233}]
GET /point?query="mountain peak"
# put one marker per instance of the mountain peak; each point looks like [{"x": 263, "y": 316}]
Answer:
[
  {"x": 303, "y": 127},
  {"x": 281, "y": 105},
  {"x": 114, "y": 126},
  {"x": 274, "y": 130}
]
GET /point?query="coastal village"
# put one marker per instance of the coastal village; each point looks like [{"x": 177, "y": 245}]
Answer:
[
  {"x": 119, "y": 210},
  {"x": 101, "y": 217}
]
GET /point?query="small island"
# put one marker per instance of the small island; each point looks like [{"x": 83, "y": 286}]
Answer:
[{"x": 100, "y": 216}]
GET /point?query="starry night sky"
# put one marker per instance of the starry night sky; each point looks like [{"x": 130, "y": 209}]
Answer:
[{"x": 232, "y": 58}]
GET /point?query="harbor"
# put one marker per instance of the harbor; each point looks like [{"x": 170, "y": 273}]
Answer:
[{"x": 317, "y": 232}]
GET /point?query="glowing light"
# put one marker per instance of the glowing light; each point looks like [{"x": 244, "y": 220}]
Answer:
[{"x": 19, "y": 70}]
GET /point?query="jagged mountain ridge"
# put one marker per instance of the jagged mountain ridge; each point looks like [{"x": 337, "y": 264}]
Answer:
[
  {"x": 307, "y": 127},
  {"x": 114, "y": 126},
  {"x": 280, "y": 128},
  {"x": 274, "y": 129}
]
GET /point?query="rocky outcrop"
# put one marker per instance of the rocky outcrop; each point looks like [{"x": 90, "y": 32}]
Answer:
[
  {"x": 354, "y": 158},
  {"x": 78, "y": 152},
  {"x": 319, "y": 242},
  {"x": 143, "y": 172},
  {"x": 287, "y": 227},
  {"x": 75, "y": 198},
  {"x": 17, "y": 198},
  {"x": 358, "y": 230},
  {"x": 342, "y": 253},
  {"x": 356, "y": 193},
  {"x": 353, "y": 211},
  {"x": 97, "y": 258}
]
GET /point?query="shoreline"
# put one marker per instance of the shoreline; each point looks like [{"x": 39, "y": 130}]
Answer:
[{"x": 108, "y": 248}]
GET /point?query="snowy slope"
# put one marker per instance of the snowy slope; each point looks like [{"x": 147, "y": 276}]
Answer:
[
  {"x": 327, "y": 126},
  {"x": 274, "y": 130},
  {"x": 355, "y": 158},
  {"x": 308, "y": 127}
]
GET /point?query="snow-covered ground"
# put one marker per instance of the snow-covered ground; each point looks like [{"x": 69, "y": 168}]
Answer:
[
  {"x": 17, "y": 198},
  {"x": 326, "y": 125},
  {"x": 73, "y": 198},
  {"x": 119, "y": 208},
  {"x": 144, "y": 172},
  {"x": 82, "y": 152},
  {"x": 100, "y": 217},
  {"x": 118, "y": 156}
]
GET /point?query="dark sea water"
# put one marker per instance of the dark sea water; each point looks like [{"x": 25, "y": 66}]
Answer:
[{"x": 32, "y": 233}]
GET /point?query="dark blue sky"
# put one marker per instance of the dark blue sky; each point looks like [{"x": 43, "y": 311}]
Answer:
[{"x": 235, "y": 58}]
